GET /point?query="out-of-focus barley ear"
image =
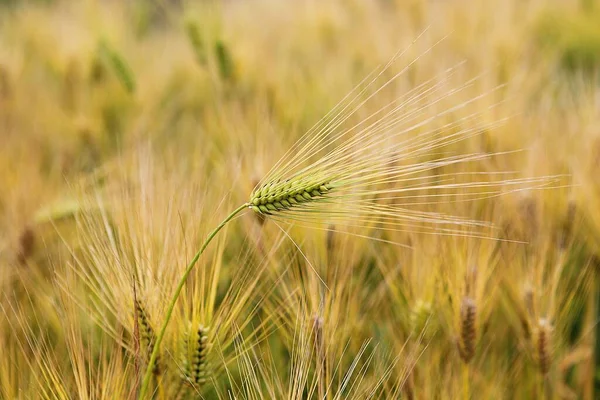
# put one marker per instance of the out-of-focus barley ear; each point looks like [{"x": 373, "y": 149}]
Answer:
[
  {"x": 420, "y": 320},
  {"x": 528, "y": 298},
  {"x": 543, "y": 343},
  {"x": 224, "y": 61},
  {"x": 526, "y": 317},
  {"x": 193, "y": 33},
  {"x": 467, "y": 340},
  {"x": 97, "y": 70},
  {"x": 468, "y": 331},
  {"x": 147, "y": 336},
  {"x": 321, "y": 360},
  {"x": 565, "y": 231},
  {"x": 119, "y": 66},
  {"x": 543, "y": 352},
  {"x": 26, "y": 245}
]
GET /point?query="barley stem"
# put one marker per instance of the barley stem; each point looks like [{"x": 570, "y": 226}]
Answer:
[
  {"x": 161, "y": 334},
  {"x": 466, "y": 383}
]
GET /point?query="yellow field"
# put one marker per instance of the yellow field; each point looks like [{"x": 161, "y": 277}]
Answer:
[{"x": 447, "y": 245}]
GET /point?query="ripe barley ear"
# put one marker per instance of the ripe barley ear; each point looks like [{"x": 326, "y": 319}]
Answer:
[
  {"x": 468, "y": 330},
  {"x": 467, "y": 340},
  {"x": 543, "y": 351}
]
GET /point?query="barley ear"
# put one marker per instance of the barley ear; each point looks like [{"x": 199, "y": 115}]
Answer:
[
  {"x": 195, "y": 361},
  {"x": 420, "y": 318},
  {"x": 146, "y": 335},
  {"x": 193, "y": 33},
  {"x": 468, "y": 330},
  {"x": 119, "y": 66},
  {"x": 275, "y": 197},
  {"x": 543, "y": 337},
  {"x": 224, "y": 61},
  {"x": 199, "y": 364}
]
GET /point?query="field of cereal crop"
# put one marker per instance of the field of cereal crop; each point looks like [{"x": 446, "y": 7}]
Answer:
[{"x": 308, "y": 199}]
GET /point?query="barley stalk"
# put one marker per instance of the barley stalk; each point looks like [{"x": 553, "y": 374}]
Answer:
[{"x": 171, "y": 306}]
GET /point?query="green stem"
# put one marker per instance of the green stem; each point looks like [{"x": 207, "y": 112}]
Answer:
[{"x": 161, "y": 334}]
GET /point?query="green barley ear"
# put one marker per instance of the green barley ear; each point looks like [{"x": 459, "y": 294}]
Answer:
[
  {"x": 420, "y": 319},
  {"x": 196, "y": 347},
  {"x": 146, "y": 335},
  {"x": 116, "y": 62},
  {"x": 193, "y": 33},
  {"x": 224, "y": 61},
  {"x": 468, "y": 330},
  {"x": 292, "y": 194}
]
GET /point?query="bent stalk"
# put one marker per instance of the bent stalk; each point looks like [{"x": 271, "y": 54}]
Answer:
[{"x": 161, "y": 334}]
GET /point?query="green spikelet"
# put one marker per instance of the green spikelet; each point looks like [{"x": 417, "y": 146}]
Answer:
[
  {"x": 193, "y": 33},
  {"x": 195, "y": 352},
  {"x": 279, "y": 196},
  {"x": 224, "y": 61},
  {"x": 116, "y": 62},
  {"x": 147, "y": 336}
]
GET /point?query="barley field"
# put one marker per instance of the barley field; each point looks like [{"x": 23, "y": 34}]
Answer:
[{"x": 308, "y": 199}]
